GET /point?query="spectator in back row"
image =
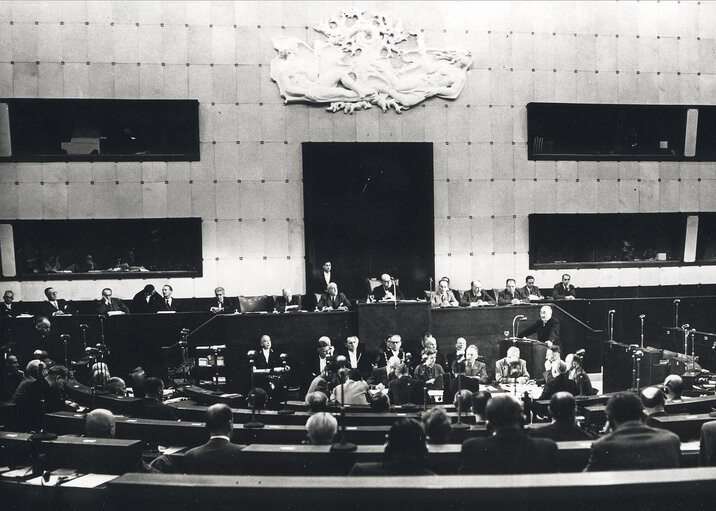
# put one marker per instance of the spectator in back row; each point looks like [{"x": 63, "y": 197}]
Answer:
[
  {"x": 7, "y": 308},
  {"x": 564, "y": 290},
  {"x": 321, "y": 428},
  {"x": 479, "y": 404},
  {"x": 218, "y": 455},
  {"x": 108, "y": 303},
  {"x": 562, "y": 408},
  {"x": 631, "y": 445}
]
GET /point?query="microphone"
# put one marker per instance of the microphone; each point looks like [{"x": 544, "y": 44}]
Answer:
[
  {"x": 642, "y": 316},
  {"x": 685, "y": 326},
  {"x": 65, "y": 337},
  {"x": 84, "y": 326},
  {"x": 611, "y": 311},
  {"x": 677, "y": 300},
  {"x": 251, "y": 353}
]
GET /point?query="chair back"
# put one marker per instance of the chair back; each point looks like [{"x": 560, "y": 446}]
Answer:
[{"x": 264, "y": 303}]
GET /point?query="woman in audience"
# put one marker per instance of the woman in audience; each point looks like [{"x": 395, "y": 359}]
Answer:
[
  {"x": 405, "y": 453},
  {"x": 578, "y": 374}
]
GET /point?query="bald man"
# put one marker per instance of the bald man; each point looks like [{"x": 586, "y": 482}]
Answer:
[
  {"x": 333, "y": 300},
  {"x": 511, "y": 367},
  {"x": 218, "y": 455},
  {"x": 99, "y": 423},
  {"x": 388, "y": 289}
]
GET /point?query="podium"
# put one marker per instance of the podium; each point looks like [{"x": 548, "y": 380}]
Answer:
[
  {"x": 409, "y": 319},
  {"x": 531, "y": 351}
]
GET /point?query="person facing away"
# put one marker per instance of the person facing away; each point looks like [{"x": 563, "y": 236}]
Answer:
[{"x": 218, "y": 455}]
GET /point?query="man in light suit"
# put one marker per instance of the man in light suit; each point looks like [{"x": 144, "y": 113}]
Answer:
[
  {"x": 218, "y": 455},
  {"x": 564, "y": 290},
  {"x": 632, "y": 445},
  {"x": 511, "y": 367},
  {"x": 110, "y": 304},
  {"x": 333, "y": 300},
  {"x": 355, "y": 389}
]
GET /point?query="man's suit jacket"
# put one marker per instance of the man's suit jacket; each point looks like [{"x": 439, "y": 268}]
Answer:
[
  {"x": 152, "y": 409},
  {"x": 381, "y": 375},
  {"x": 451, "y": 359},
  {"x": 365, "y": 364},
  {"x": 356, "y": 393},
  {"x": 319, "y": 284},
  {"x": 505, "y": 298},
  {"x": 5, "y": 312},
  {"x": 281, "y": 303},
  {"x": 561, "y": 431},
  {"x": 535, "y": 291},
  {"x": 27, "y": 414},
  {"x": 379, "y": 293},
  {"x": 173, "y": 305},
  {"x": 707, "y": 451},
  {"x": 559, "y": 383},
  {"x": 217, "y": 456},
  {"x": 503, "y": 369},
  {"x": 468, "y": 297},
  {"x": 116, "y": 305},
  {"x": 140, "y": 305},
  {"x": 558, "y": 292},
  {"x": 635, "y": 446},
  {"x": 548, "y": 331},
  {"x": 478, "y": 369},
  {"x": 508, "y": 452},
  {"x": 405, "y": 390},
  {"x": 229, "y": 306},
  {"x": 333, "y": 302},
  {"x": 49, "y": 309}
]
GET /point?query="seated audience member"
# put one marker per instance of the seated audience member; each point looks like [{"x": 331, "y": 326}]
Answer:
[
  {"x": 324, "y": 382},
  {"x": 430, "y": 345},
  {"x": 379, "y": 402},
  {"x": 356, "y": 358},
  {"x": 54, "y": 306},
  {"x": 707, "y": 445},
  {"x": 476, "y": 296},
  {"x": 546, "y": 327},
  {"x": 560, "y": 382},
  {"x": 218, "y": 455},
  {"x": 403, "y": 389},
  {"x": 222, "y": 303},
  {"x": 12, "y": 377},
  {"x": 579, "y": 375},
  {"x": 444, "y": 296},
  {"x": 288, "y": 302},
  {"x": 393, "y": 348},
  {"x": 41, "y": 343},
  {"x": 479, "y": 403},
  {"x": 509, "y": 450},
  {"x": 458, "y": 355},
  {"x": 564, "y": 290},
  {"x": 652, "y": 398},
  {"x": 110, "y": 304},
  {"x": 266, "y": 358},
  {"x": 333, "y": 300},
  {"x": 673, "y": 387},
  {"x": 437, "y": 425},
  {"x": 152, "y": 406},
  {"x": 511, "y": 368},
  {"x": 321, "y": 428},
  {"x": 405, "y": 453},
  {"x": 29, "y": 395},
  {"x": 318, "y": 362},
  {"x": 317, "y": 401},
  {"x": 530, "y": 290},
  {"x": 463, "y": 401},
  {"x": 257, "y": 398},
  {"x": 471, "y": 368},
  {"x": 429, "y": 372},
  {"x": 146, "y": 301},
  {"x": 116, "y": 386},
  {"x": 383, "y": 375},
  {"x": 388, "y": 290},
  {"x": 33, "y": 369},
  {"x": 167, "y": 302},
  {"x": 99, "y": 423},
  {"x": 631, "y": 445},
  {"x": 99, "y": 374},
  {"x": 562, "y": 408},
  {"x": 7, "y": 308},
  {"x": 354, "y": 390},
  {"x": 510, "y": 295},
  {"x": 551, "y": 356}
]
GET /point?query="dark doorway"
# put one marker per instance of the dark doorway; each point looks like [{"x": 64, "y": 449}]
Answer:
[{"x": 369, "y": 210}]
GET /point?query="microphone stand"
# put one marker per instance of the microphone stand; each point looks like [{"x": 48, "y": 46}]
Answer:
[
  {"x": 65, "y": 338},
  {"x": 253, "y": 424},
  {"x": 42, "y": 435},
  {"x": 84, "y": 328},
  {"x": 285, "y": 410},
  {"x": 685, "y": 328},
  {"x": 515, "y": 322},
  {"x": 641, "y": 318},
  {"x": 343, "y": 446},
  {"x": 677, "y": 301},
  {"x": 459, "y": 424},
  {"x": 636, "y": 370},
  {"x": 395, "y": 296},
  {"x": 610, "y": 321}
]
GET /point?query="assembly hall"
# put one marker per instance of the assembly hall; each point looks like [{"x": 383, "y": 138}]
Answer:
[{"x": 425, "y": 254}]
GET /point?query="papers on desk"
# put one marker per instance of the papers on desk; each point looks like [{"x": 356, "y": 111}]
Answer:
[
  {"x": 119, "y": 313},
  {"x": 24, "y": 316},
  {"x": 17, "y": 473},
  {"x": 166, "y": 312},
  {"x": 172, "y": 449},
  {"x": 90, "y": 480},
  {"x": 57, "y": 477}
]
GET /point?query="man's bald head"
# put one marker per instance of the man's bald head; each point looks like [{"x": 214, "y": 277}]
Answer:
[
  {"x": 219, "y": 420},
  {"x": 652, "y": 398},
  {"x": 99, "y": 423}
]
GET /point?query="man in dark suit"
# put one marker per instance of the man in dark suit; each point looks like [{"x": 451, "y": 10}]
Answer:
[
  {"x": 404, "y": 389},
  {"x": 288, "y": 302},
  {"x": 333, "y": 300},
  {"x": 562, "y": 408},
  {"x": 355, "y": 355},
  {"x": 564, "y": 290},
  {"x": 456, "y": 356},
  {"x": 7, "y": 309},
  {"x": 152, "y": 406},
  {"x": 110, "y": 304},
  {"x": 560, "y": 382},
  {"x": 530, "y": 290},
  {"x": 509, "y": 450},
  {"x": 266, "y": 358},
  {"x": 388, "y": 290},
  {"x": 146, "y": 301},
  {"x": 632, "y": 445},
  {"x": 318, "y": 361},
  {"x": 54, "y": 306},
  {"x": 476, "y": 296},
  {"x": 546, "y": 328},
  {"x": 222, "y": 303},
  {"x": 324, "y": 277},
  {"x": 218, "y": 455},
  {"x": 653, "y": 400},
  {"x": 384, "y": 375},
  {"x": 167, "y": 302},
  {"x": 31, "y": 392},
  {"x": 510, "y": 295},
  {"x": 707, "y": 449}
]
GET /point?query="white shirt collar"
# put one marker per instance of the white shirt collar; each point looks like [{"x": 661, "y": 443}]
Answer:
[{"x": 221, "y": 436}]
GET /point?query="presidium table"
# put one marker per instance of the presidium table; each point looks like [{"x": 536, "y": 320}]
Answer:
[{"x": 137, "y": 339}]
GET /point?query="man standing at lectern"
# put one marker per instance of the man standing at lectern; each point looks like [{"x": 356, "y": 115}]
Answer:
[{"x": 546, "y": 328}]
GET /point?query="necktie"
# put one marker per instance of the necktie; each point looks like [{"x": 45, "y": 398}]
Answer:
[{"x": 167, "y": 300}]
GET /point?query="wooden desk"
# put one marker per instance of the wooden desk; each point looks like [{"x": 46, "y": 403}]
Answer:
[{"x": 688, "y": 427}]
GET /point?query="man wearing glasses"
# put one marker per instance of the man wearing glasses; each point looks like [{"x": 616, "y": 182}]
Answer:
[
  {"x": 388, "y": 290},
  {"x": 564, "y": 290}
]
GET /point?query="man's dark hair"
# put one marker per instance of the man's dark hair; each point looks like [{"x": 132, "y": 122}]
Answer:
[
  {"x": 555, "y": 349},
  {"x": 379, "y": 402},
  {"x": 623, "y": 407},
  {"x": 153, "y": 387},
  {"x": 355, "y": 375},
  {"x": 528, "y": 278},
  {"x": 508, "y": 281},
  {"x": 465, "y": 401},
  {"x": 317, "y": 402},
  {"x": 503, "y": 410},
  {"x": 479, "y": 402},
  {"x": 258, "y": 397},
  {"x": 218, "y": 419},
  {"x": 652, "y": 398},
  {"x": 437, "y": 425},
  {"x": 149, "y": 288},
  {"x": 58, "y": 370},
  {"x": 562, "y": 406},
  {"x": 406, "y": 439},
  {"x": 47, "y": 289}
]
